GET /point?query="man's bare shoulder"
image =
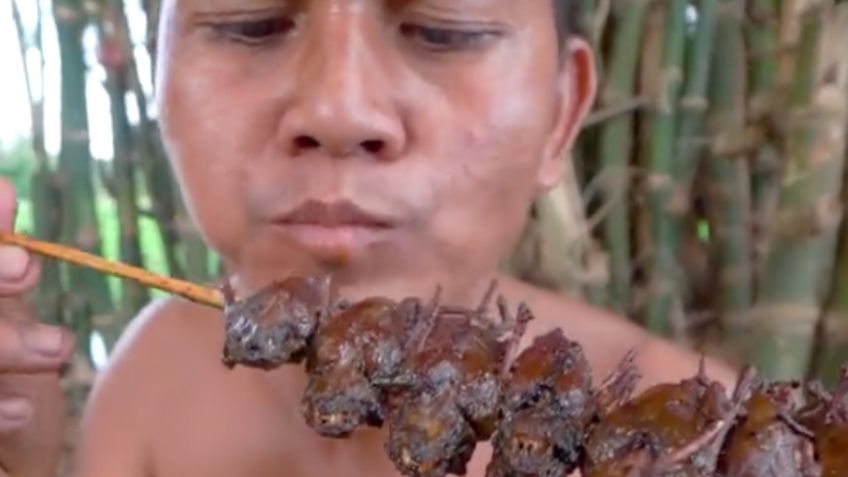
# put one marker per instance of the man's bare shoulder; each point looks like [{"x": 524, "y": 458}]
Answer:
[
  {"x": 168, "y": 328},
  {"x": 607, "y": 337},
  {"x": 167, "y": 337}
]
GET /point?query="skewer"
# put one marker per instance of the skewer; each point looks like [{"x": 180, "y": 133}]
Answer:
[{"x": 200, "y": 294}]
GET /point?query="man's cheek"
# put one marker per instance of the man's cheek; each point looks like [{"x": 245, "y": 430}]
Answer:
[{"x": 213, "y": 196}]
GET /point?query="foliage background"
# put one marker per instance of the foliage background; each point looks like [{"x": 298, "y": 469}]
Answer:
[{"x": 706, "y": 200}]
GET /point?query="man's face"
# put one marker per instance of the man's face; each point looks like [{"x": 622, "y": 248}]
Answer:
[{"x": 397, "y": 143}]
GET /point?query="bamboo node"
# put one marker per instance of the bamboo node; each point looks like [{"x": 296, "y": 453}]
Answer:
[
  {"x": 67, "y": 14},
  {"x": 736, "y": 143},
  {"x": 835, "y": 325},
  {"x": 678, "y": 203},
  {"x": 819, "y": 218},
  {"x": 785, "y": 318},
  {"x": 75, "y": 135},
  {"x": 694, "y": 103},
  {"x": 657, "y": 181},
  {"x": 762, "y": 15},
  {"x": 731, "y": 10},
  {"x": 669, "y": 76}
]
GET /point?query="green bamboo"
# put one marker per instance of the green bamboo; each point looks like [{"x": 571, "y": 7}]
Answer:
[
  {"x": 833, "y": 334},
  {"x": 588, "y": 8},
  {"x": 158, "y": 183},
  {"x": 792, "y": 292},
  {"x": 196, "y": 254},
  {"x": 690, "y": 143},
  {"x": 763, "y": 38},
  {"x": 663, "y": 275},
  {"x": 133, "y": 296},
  {"x": 47, "y": 225},
  {"x": 43, "y": 187},
  {"x": 152, "y": 9},
  {"x": 693, "y": 103},
  {"x": 831, "y": 349},
  {"x": 649, "y": 84},
  {"x": 728, "y": 172},
  {"x": 91, "y": 297},
  {"x": 616, "y": 143}
]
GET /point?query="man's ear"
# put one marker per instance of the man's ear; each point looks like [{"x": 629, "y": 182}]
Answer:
[{"x": 576, "y": 95}]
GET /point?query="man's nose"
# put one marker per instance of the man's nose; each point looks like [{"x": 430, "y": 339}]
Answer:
[{"x": 342, "y": 104}]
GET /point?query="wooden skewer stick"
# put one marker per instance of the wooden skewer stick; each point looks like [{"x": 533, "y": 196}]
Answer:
[{"x": 197, "y": 293}]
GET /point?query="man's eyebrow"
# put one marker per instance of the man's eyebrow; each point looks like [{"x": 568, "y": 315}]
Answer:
[{"x": 202, "y": 15}]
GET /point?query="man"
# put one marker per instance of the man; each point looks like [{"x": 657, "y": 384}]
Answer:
[{"x": 397, "y": 144}]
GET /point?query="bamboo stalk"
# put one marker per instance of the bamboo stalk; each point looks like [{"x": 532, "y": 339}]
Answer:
[
  {"x": 728, "y": 173},
  {"x": 693, "y": 103},
  {"x": 832, "y": 338},
  {"x": 158, "y": 182},
  {"x": 663, "y": 274},
  {"x": 196, "y": 293},
  {"x": 152, "y": 9},
  {"x": 43, "y": 193},
  {"x": 831, "y": 347},
  {"x": 792, "y": 291},
  {"x": 616, "y": 142},
  {"x": 197, "y": 253},
  {"x": 89, "y": 298},
  {"x": 134, "y": 297},
  {"x": 690, "y": 142},
  {"x": 763, "y": 37},
  {"x": 649, "y": 84}
]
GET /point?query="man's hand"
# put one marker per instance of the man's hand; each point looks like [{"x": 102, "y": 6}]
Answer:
[{"x": 31, "y": 355}]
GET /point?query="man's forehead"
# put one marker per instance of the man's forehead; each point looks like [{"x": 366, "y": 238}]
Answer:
[
  {"x": 230, "y": 3},
  {"x": 244, "y": 4}
]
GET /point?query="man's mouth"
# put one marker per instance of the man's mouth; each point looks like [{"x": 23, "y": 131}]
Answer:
[{"x": 333, "y": 228}]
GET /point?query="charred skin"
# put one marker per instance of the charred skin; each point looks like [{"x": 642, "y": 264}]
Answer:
[
  {"x": 429, "y": 436},
  {"x": 273, "y": 326},
  {"x": 351, "y": 350},
  {"x": 447, "y": 395},
  {"x": 546, "y": 409},
  {"x": 766, "y": 442},
  {"x": 337, "y": 403},
  {"x": 670, "y": 430},
  {"x": 831, "y": 444},
  {"x": 535, "y": 442},
  {"x": 827, "y": 417},
  {"x": 455, "y": 373}
]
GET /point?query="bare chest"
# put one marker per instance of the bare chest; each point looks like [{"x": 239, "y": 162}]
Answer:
[{"x": 232, "y": 426}]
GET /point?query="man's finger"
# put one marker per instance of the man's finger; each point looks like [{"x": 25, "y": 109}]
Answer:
[
  {"x": 15, "y": 413},
  {"x": 30, "y": 347},
  {"x": 18, "y": 271},
  {"x": 14, "y": 281},
  {"x": 8, "y": 204}
]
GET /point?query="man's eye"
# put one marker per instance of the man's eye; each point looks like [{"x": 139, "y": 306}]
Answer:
[
  {"x": 254, "y": 32},
  {"x": 445, "y": 39}
]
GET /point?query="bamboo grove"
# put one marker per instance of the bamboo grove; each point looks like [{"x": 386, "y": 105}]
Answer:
[{"x": 705, "y": 199}]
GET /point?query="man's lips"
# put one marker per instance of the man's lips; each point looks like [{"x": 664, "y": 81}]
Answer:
[
  {"x": 334, "y": 214},
  {"x": 333, "y": 228}
]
